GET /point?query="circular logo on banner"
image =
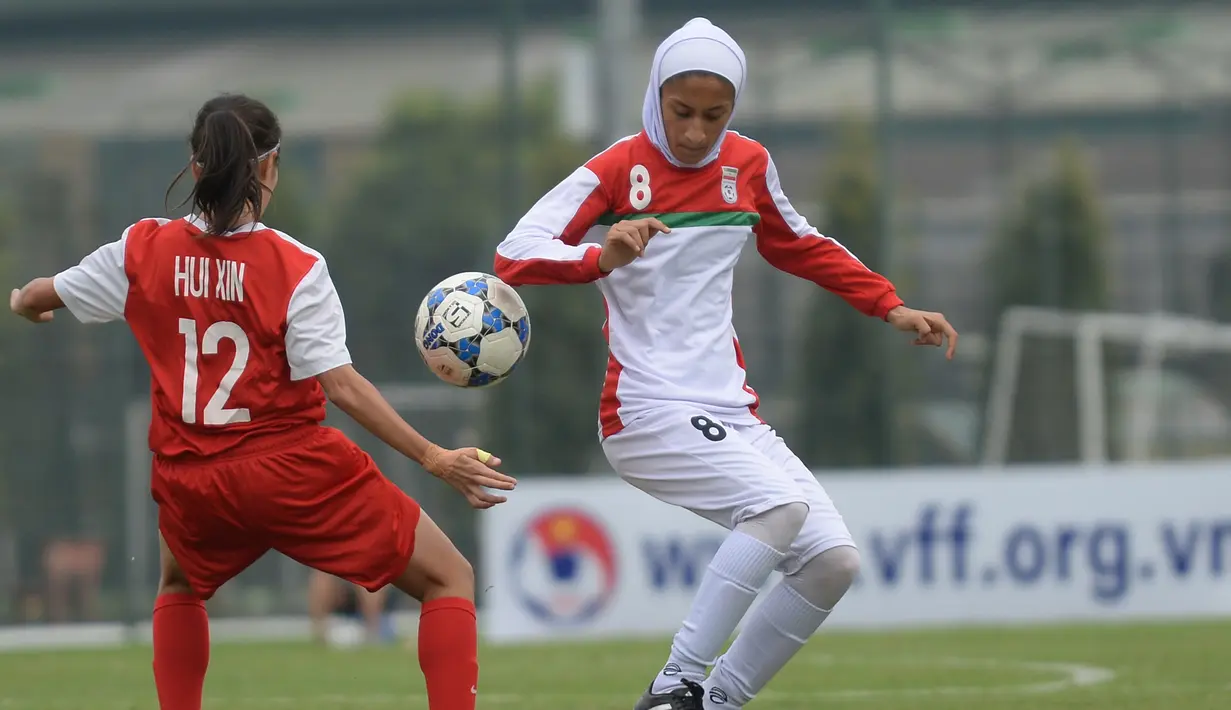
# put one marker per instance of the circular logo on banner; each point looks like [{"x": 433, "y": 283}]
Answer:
[{"x": 563, "y": 566}]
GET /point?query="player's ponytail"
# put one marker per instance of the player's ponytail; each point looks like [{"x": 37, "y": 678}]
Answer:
[{"x": 232, "y": 136}]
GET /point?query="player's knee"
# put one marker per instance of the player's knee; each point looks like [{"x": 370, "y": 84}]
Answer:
[
  {"x": 777, "y": 527},
  {"x": 463, "y": 574},
  {"x": 824, "y": 579},
  {"x": 455, "y": 577},
  {"x": 840, "y": 564}
]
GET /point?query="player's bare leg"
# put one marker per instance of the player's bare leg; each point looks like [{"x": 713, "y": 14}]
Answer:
[
  {"x": 442, "y": 579},
  {"x": 372, "y": 609},
  {"x": 322, "y": 598},
  {"x": 181, "y": 638},
  {"x": 326, "y": 592}
]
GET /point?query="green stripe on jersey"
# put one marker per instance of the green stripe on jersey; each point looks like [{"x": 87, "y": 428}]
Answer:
[{"x": 676, "y": 220}]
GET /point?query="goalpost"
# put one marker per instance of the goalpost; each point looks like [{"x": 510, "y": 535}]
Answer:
[
  {"x": 450, "y": 408},
  {"x": 1154, "y": 334}
]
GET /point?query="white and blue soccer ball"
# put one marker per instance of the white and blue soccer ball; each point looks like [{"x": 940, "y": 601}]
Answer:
[{"x": 472, "y": 329}]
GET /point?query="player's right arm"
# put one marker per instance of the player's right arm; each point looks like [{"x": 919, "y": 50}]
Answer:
[
  {"x": 316, "y": 347},
  {"x": 545, "y": 246},
  {"x": 464, "y": 469},
  {"x": 94, "y": 291},
  {"x": 37, "y": 301}
]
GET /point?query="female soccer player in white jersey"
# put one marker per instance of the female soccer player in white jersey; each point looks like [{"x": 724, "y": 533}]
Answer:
[{"x": 677, "y": 419}]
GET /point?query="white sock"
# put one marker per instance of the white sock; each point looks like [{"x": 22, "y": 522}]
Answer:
[
  {"x": 774, "y": 633},
  {"x": 728, "y": 588}
]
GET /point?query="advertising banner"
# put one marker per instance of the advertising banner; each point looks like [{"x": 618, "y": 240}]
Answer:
[{"x": 590, "y": 558}]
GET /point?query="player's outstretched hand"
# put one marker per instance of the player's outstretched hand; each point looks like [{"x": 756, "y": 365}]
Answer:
[
  {"x": 16, "y": 306},
  {"x": 470, "y": 471},
  {"x": 929, "y": 328},
  {"x": 626, "y": 241}
]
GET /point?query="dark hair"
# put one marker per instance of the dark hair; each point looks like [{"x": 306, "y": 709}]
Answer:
[{"x": 231, "y": 135}]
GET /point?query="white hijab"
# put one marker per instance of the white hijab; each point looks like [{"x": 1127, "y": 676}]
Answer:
[{"x": 697, "y": 46}]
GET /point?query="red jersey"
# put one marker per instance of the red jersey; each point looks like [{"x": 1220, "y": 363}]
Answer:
[{"x": 235, "y": 328}]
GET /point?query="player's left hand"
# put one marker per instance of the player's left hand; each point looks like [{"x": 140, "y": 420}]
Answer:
[
  {"x": 16, "y": 306},
  {"x": 930, "y": 328},
  {"x": 471, "y": 471}
]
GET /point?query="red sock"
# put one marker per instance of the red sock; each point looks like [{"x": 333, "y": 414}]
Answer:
[
  {"x": 449, "y": 653},
  {"x": 181, "y": 651}
]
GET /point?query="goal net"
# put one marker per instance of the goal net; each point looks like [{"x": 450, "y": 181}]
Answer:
[{"x": 1144, "y": 386}]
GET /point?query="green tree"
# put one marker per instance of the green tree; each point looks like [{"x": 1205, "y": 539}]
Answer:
[
  {"x": 554, "y": 394},
  {"x": 1218, "y": 283},
  {"x": 428, "y": 205},
  {"x": 1051, "y": 252},
  {"x": 1218, "y": 287},
  {"x": 846, "y": 419},
  {"x": 37, "y": 381},
  {"x": 9, "y": 371},
  {"x": 424, "y": 207},
  {"x": 291, "y": 210}
]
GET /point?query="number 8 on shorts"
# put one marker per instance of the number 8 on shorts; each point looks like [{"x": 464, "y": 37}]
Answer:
[{"x": 709, "y": 428}]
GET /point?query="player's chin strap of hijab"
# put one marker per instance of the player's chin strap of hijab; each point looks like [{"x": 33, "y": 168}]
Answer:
[{"x": 697, "y": 46}]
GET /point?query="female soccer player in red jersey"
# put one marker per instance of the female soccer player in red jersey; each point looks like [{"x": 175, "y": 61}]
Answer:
[
  {"x": 666, "y": 213},
  {"x": 245, "y": 338}
]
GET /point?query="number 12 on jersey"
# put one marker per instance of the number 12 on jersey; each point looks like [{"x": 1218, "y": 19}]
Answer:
[{"x": 216, "y": 413}]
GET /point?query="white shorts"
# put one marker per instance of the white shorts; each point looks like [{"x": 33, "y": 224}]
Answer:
[{"x": 727, "y": 473}]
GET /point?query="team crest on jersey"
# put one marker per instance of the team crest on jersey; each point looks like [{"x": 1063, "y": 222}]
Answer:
[{"x": 729, "y": 176}]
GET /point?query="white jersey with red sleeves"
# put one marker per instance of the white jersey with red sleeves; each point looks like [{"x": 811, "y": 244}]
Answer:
[
  {"x": 234, "y": 328},
  {"x": 669, "y": 312}
]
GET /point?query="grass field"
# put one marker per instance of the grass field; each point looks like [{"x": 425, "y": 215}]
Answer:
[{"x": 1170, "y": 667}]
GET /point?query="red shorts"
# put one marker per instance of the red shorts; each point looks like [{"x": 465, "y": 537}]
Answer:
[{"x": 318, "y": 499}]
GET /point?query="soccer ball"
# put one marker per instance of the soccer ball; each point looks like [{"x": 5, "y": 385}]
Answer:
[{"x": 472, "y": 329}]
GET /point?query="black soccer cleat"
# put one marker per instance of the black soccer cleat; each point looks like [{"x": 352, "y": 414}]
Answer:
[{"x": 688, "y": 697}]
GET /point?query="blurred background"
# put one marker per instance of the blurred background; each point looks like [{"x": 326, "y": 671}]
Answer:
[{"x": 1073, "y": 158}]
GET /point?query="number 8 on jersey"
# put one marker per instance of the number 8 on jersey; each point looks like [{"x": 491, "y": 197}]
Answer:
[{"x": 639, "y": 194}]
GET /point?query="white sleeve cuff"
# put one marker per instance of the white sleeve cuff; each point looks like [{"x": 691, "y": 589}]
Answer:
[
  {"x": 320, "y": 366},
  {"x": 96, "y": 290},
  {"x": 75, "y": 306}
]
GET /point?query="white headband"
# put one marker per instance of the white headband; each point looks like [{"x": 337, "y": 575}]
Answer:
[
  {"x": 259, "y": 159},
  {"x": 702, "y": 54}
]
